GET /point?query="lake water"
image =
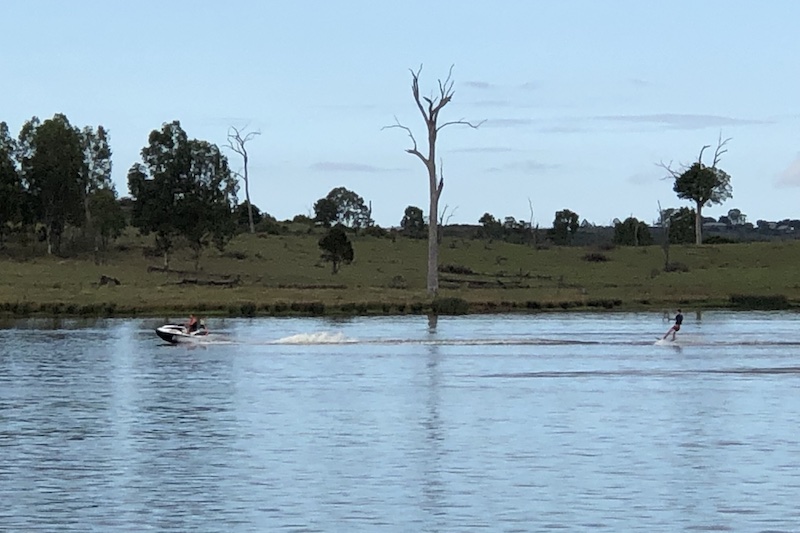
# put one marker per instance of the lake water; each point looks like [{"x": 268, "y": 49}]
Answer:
[{"x": 551, "y": 422}]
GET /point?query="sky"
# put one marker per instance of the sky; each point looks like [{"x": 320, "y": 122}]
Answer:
[{"x": 581, "y": 100}]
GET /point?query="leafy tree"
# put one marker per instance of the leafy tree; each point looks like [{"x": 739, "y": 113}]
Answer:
[
  {"x": 632, "y": 232},
  {"x": 11, "y": 194},
  {"x": 246, "y": 214},
  {"x": 336, "y": 247},
  {"x": 184, "y": 189},
  {"x": 350, "y": 208},
  {"x": 97, "y": 170},
  {"x": 702, "y": 184},
  {"x": 492, "y": 227},
  {"x": 325, "y": 212},
  {"x": 736, "y": 217},
  {"x": 106, "y": 214},
  {"x": 681, "y": 226},
  {"x": 413, "y": 223},
  {"x": 565, "y": 225},
  {"x": 53, "y": 167}
]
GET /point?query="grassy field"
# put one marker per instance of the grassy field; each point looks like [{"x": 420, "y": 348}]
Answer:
[{"x": 283, "y": 275}]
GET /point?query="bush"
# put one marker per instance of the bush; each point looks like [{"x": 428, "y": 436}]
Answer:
[
  {"x": 398, "y": 282},
  {"x": 241, "y": 256},
  {"x": 676, "y": 267},
  {"x": 248, "y": 309},
  {"x": 718, "y": 239},
  {"x": 375, "y": 231},
  {"x": 759, "y": 301},
  {"x": 595, "y": 257},
  {"x": 455, "y": 269},
  {"x": 450, "y": 306}
]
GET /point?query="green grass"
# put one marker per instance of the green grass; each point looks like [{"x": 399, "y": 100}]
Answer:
[{"x": 283, "y": 275}]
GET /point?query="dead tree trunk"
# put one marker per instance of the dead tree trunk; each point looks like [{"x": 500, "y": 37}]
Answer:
[
  {"x": 429, "y": 108},
  {"x": 237, "y": 142}
]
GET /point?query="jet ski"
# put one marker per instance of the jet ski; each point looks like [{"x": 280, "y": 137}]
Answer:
[{"x": 175, "y": 333}]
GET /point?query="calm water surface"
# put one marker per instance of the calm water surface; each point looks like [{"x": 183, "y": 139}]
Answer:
[{"x": 574, "y": 422}]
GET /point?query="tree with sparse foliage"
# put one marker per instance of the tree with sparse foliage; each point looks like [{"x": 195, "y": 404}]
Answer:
[
  {"x": 237, "y": 141},
  {"x": 632, "y": 232},
  {"x": 682, "y": 226},
  {"x": 430, "y": 108},
  {"x": 336, "y": 247},
  {"x": 565, "y": 225},
  {"x": 107, "y": 217},
  {"x": 413, "y": 223},
  {"x": 704, "y": 185}
]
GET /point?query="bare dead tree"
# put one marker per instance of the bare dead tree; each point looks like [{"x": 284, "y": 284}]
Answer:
[
  {"x": 237, "y": 141},
  {"x": 444, "y": 219},
  {"x": 534, "y": 230},
  {"x": 429, "y": 108},
  {"x": 664, "y": 220}
]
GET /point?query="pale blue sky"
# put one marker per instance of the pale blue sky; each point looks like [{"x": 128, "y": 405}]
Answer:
[{"x": 581, "y": 98}]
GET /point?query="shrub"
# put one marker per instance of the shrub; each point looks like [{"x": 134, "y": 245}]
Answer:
[
  {"x": 398, "y": 282},
  {"x": 450, "y": 306},
  {"x": 595, "y": 257},
  {"x": 375, "y": 231},
  {"x": 455, "y": 269},
  {"x": 760, "y": 301},
  {"x": 235, "y": 255},
  {"x": 248, "y": 309},
  {"x": 676, "y": 267},
  {"x": 718, "y": 239}
]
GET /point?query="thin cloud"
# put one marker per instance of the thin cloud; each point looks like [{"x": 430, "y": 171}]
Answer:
[
  {"x": 508, "y": 122},
  {"x": 530, "y": 86},
  {"x": 484, "y": 150},
  {"x": 682, "y": 121},
  {"x": 337, "y": 166},
  {"x": 527, "y": 165},
  {"x": 482, "y": 85},
  {"x": 492, "y": 103},
  {"x": 791, "y": 176}
]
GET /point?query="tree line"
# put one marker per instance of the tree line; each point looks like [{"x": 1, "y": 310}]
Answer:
[{"x": 55, "y": 176}]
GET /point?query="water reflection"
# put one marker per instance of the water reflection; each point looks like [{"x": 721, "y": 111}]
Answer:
[{"x": 497, "y": 423}]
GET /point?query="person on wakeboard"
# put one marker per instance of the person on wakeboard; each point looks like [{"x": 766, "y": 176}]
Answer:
[{"x": 676, "y": 327}]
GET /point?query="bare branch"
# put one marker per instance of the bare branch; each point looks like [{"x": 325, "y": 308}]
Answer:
[
  {"x": 412, "y": 150},
  {"x": 441, "y": 180},
  {"x": 464, "y": 122},
  {"x": 673, "y": 174},
  {"x": 415, "y": 90},
  {"x": 530, "y": 207},
  {"x": 236, "y": 142},
  {"x": 720, "y": 150},
  {"x": 703, "y": 149}
]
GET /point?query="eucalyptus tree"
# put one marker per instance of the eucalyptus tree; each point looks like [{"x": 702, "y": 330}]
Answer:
[
  {"x": 97, "y": 169},
  {"x": 53, "y": 169},
  {"x": 430, "y": 107},
  {"x": 11, "y": 194},
  {"x": 565, "y": 225},
  {"x": 183, "y": 188}
]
